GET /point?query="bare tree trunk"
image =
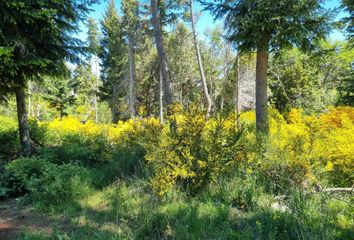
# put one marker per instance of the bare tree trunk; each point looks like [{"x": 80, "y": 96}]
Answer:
[
  {"x": 261, "y": 89},
  {"x": 200, "y": 63},
  {"x": 132, "y": 82},
  {"x": 114, "y": 105},
  {"x": 96, "y": 107},
  {"x": 61, "y": 112},
  {"x": 23, "y": 122},
  {"x": 161, "y": 98},
  {"x": 237, "y": 92},
  {"x": 161, "y": 53},
  {"x": 226, "y": 75},
  {"x": 97, "y": 77},
  {"x": 29, "y": 98}
]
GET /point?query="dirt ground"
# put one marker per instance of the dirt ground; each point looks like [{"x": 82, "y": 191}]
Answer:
[{"x": 14, "y": 219}]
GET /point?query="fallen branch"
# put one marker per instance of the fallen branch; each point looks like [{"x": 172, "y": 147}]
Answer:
[{"x": 336, "y": 190}]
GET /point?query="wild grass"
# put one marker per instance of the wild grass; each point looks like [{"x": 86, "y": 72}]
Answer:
[{"x": 237, "y": 207}]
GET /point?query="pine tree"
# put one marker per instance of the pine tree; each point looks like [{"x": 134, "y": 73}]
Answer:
[
  {"x": 93, "y": 36},
  {"x": 262, "y": 25},
  {"x": 93, "y": 40},
  {"x": 132, "y": 31},
  {"x": 35, "y": 38},
  {"x": 59, "y": 92},
  {"x": 114, "y": 59},
  {"x": 348, "y": 6}
]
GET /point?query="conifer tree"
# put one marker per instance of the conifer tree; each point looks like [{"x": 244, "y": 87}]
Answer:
[
  {"x": 132, "y": 31},
  {"x": 93, "y": 40},
  {"x": 36, "y": 37},
  {"x": 114, "y": 59},
  {"x": 264, "y": 25}
]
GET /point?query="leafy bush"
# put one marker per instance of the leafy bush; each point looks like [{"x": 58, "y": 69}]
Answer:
[
  {"x": 193, "y": 152},
  {"x": 306, "y": 150},
  {"x": 9, "y": 140},
  {"x": 38, "y": 132},
  {"x": 131, "y": 140},
  {"x": 189, "y": 151},
  {"x": 47, "y": 183},
  {"x": 300, "y": 151}
]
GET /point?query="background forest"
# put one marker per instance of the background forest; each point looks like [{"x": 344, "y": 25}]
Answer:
[{"x": 150, "y": 128}]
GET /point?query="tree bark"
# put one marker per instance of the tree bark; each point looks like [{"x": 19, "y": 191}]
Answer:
[
  {"x": 261, "y": 88},
  {"x": 161, "y": 98},
  {"x": 200, "y": 63},
  {"x": 23, "y": 122},
  {"x": 161, "y": 53},
  {"x": 132, "y": 82},
  {"x": 237, "y": 92},
  {"x": 29, "y": 98},
  {"x": 115, "y": 116},
  {"x": 95, "y": 103}
]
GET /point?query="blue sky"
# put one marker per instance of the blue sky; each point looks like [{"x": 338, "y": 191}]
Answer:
[{"x": 205, "y": 20}]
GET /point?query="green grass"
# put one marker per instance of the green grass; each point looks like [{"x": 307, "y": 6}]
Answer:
[{"x": 127, "y": 209}]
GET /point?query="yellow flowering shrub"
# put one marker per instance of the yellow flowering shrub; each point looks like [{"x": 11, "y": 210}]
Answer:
[
  {"x": 89, "y": 142},
  {"x": 334, "y": 146},
  {"x": 193, "y": 151},
  {"x": 190, "y": 151},
  {"x": 311, "y": 147}
]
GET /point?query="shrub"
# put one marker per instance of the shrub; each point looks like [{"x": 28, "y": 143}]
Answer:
[
  {"x": 47, "y": 183},
  {"x": 307, "y": 150},
  {"x": 9, "y": 140},
  {"x": 38, "y": 132},
  {"x": 193, "y": 151},
  {"x": 130, "y": 141}
]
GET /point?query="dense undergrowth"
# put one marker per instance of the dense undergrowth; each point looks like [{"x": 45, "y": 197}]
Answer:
[{"x": 188, "y": 179}]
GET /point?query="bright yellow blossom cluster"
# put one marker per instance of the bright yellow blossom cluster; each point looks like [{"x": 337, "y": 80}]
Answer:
[
  {"x": 317, "y": 145},
  {"x": 190, "y": 151}
]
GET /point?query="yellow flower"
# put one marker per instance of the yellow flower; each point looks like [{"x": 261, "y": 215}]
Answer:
[{"x": 329, "y": 166}]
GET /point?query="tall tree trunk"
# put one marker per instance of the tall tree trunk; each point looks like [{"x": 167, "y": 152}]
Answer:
[
  {"x": 29, "y": 98},
  {"x": 96, "y": 91},
  {"x": 114, "y": 105},
  {"x": 161, "y": 53},
  {"x": 200, "y": 63},
  {"x": 132, "y": 82},
  {"x": 95, "y": 103},
  {"x": 261, "y": 88},
  {"x": 61, "y": 111},
  {"x": 23, "y": 122},
  {"x": 161, "y": 98},
  {"x": 237, "y": 92}
]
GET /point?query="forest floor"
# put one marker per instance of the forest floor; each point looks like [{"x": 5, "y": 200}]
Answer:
[{"x": 15, "y": 218}]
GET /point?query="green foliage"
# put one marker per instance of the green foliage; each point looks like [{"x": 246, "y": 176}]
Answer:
[
  {"x": 31, "y": 54},
  {"x": 59, "y": 94},
  {"x": 132, "y": 22},
  {"x": 297, "y": 83},
  {"x": 48, "y": 184},
  {"x": 182, "y": 63},
  {"x": 9, "y": 143},
  {"x": 348, "y": 5},
  {"x": 257, "y": 24},
  {"x": 77, "y": 150},
  {"x": 93, "y": 37},
  {"x": 114, "y": 59},
  {"x": 240, "y": 189},
  {"x": 142, "y": 216}
]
